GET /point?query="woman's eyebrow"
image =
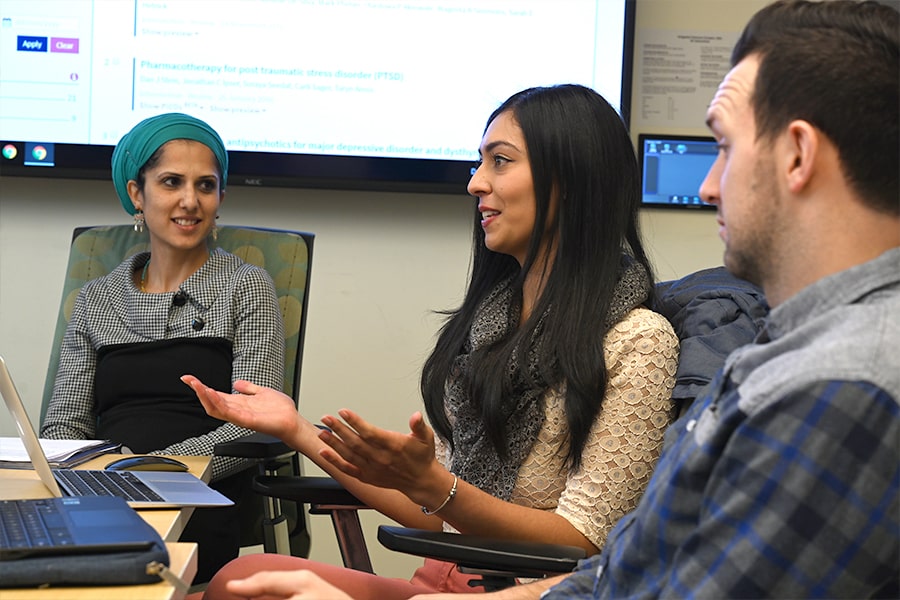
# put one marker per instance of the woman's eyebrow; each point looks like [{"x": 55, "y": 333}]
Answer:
[{"x": 497, "y": 143}]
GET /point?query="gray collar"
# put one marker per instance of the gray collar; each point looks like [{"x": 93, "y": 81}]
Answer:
[{"x": 844, "y": 287}]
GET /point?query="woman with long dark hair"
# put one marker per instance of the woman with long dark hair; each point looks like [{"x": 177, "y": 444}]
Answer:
[{"x": 549, "y": 388}]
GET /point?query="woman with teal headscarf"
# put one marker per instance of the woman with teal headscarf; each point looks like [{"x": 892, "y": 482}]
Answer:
[{"x": 183, "y": 305}]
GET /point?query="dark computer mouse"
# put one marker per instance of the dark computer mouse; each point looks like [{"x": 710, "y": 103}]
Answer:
[{"x": 147, "y": 463}]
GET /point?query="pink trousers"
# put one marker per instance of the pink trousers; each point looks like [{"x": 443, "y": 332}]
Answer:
[{"x": 433, "y": 576}]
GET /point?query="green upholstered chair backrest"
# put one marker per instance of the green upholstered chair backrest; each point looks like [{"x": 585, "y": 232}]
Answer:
[{"x": 286, "y": 255}]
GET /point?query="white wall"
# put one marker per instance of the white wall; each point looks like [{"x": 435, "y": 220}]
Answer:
[{"x": 381, "y": 263}]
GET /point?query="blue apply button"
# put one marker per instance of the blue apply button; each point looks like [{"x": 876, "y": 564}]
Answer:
[{"x": 31, "y": 43}]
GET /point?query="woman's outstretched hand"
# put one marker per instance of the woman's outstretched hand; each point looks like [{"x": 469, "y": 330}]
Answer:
[
  {"x": 382, "y": 458},
  {"x": 355, "y": 448},
  {"x": 255, "y": 407}
]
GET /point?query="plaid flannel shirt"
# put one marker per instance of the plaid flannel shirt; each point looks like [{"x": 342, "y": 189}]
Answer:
[{"x": 783, "y": 479}]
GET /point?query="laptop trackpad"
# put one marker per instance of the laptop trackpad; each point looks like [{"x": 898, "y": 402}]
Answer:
[
  {"x": 183, "y": 488},
  {"x": 99, "y": 518}
]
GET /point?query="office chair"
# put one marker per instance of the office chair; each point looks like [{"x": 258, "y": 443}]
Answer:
[
  {"x": 499, "y": 563},
  {"x": 286, "y": 256},
  {"x": 712, "y": 313}
]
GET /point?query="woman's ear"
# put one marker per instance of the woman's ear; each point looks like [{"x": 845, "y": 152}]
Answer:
[{"x": 135, "y": 194}]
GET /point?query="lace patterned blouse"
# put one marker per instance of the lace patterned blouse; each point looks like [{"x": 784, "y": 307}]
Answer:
[{"x": 641, "y": 353}]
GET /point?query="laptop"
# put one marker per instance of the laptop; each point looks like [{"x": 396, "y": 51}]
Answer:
[
  {"x": 56, "y": 526},
  {"x": 141, "y": 489},
  {"x": 672, "y": 169}
]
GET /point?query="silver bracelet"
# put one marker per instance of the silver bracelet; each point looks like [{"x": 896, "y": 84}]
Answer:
[{"x": 448, "y": 499}]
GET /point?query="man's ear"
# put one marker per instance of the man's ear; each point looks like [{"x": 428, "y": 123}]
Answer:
[
  {"x": 134, "y": 193},
  {"x": 802, "y": 146}
]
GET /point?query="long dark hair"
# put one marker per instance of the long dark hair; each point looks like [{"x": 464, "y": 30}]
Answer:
[{"x": 579, "y": 150}]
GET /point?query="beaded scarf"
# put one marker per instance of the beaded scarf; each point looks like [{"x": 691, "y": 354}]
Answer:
[{"x": 474, "y": 458}]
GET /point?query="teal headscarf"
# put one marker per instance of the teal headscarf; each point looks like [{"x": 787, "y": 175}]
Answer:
[{"x": 138, "y": 145}]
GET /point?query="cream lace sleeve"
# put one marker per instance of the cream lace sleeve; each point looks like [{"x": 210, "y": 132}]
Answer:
[{"x": 641, "y": 354}]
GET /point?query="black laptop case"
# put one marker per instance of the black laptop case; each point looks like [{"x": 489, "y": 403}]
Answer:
[{"x": 90, "y": 540}]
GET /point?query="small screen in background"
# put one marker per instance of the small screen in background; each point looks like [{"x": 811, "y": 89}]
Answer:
[{"x": 672, "y": 169}]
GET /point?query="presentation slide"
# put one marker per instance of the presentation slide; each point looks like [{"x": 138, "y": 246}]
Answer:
[{"x": 410, "y": 79}]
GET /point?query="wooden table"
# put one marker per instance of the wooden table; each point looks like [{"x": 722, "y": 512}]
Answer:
[{"x": 169, "y": 523}]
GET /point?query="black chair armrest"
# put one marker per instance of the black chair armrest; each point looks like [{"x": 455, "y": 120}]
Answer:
[
  {"x": 323, "y": 492},
  {"x": 325, "y": 495},
  {"x": 255, "y": 445},
  {"x": 483, "y": 555}
]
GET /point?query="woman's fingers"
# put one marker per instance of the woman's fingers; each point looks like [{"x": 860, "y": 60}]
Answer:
[
  {"x": 189, "y": 379},
  {"x": 355, "y": 432},
  {"x": 208, "y": 398},
  {"x": 338, "y": 454},
  {"x": 420, "y": 428},
  {"x": 222, "y": 405},
  {"x": 359, "y": 425},
  {"x": 247, "y": 387},
  {"x": 342, "y": 465},
  {"x": 335, "y": 442},
  {"x": 376, "y": 447},
  {"x": 340, "y": 429},
  {"x": 356, "y": 456},
  {"x": 361, "y": 435}
]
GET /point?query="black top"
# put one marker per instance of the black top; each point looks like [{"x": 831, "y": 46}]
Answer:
[{"x": 141, "y": 400}]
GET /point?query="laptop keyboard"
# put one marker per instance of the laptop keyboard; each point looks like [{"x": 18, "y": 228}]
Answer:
[
  {"x": 26, "y": 524},
  {"x": 106, "y": 483}
]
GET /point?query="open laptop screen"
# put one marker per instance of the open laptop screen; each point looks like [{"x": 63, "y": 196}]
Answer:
[{"x": 672, "y": 169}]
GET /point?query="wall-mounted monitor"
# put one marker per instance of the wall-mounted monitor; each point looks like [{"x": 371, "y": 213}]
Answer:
[
  {"x": 353, "y": 94},
  {"x": 672, "y": 169}
]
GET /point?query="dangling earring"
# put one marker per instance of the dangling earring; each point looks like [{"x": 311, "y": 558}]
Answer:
[
  {"x": 215, "y": 231},
  {"x": 139, "y": 221}
]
